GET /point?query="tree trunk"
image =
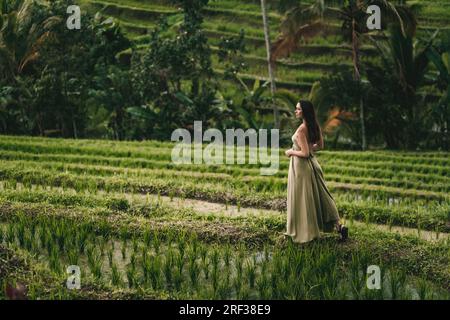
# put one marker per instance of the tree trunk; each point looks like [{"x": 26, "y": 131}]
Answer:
[
  {"x": 357, "y": 77},
  {"x": 74, "y": 125},
  {"x": 66, "y": 101},
  {"x": 119, "y": 123},
  {"x": 273, "y": 88},
  {"x": 336, "y": 139},
  {"x": 195, "y": 87},
  {"x": 363, "y": 125}
]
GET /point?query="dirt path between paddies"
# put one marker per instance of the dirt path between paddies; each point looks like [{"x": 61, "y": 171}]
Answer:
[{"x": 205, "y": 207}]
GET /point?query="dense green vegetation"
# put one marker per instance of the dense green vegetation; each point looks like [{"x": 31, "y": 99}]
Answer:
[{"x": 105, "y": 80}]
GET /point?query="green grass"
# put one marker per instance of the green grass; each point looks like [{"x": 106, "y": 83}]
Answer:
[
  {"x": 409, "y": 188},
  {"x": 169, "y": 252}
]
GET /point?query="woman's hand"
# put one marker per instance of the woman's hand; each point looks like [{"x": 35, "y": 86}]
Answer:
[{"x": 289, "y": 152}]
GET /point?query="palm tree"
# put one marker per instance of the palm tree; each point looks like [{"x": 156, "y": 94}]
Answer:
[
  {"x": 307, "y": 22},
  {"x": 20, "y": 36},
  {"x": 254, "y": 103},
  {"x": 270, "y": 65},
  {"x": 331, "y": 96},
  {"x": 354, "y": 17},
  {"x": 404, "y": 64},
  {"x": 439, "y": 55},
  {"x": 299, "y": 22}
]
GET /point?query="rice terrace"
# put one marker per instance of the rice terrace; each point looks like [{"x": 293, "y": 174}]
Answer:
[{"x": 92, "y": 205}]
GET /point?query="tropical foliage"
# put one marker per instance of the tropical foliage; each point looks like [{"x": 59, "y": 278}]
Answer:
[{"x": 101, "y": 82}]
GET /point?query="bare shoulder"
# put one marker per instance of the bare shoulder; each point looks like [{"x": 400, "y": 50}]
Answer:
[
  {"x": 303, "y": 128},
  {"x": 302, "y": 133}
]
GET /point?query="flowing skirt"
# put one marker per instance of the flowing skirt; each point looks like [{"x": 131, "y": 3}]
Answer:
[{"x": 310, "y": 206}]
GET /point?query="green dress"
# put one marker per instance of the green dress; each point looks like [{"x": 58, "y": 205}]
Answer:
[{"x": 310, "y": 206}]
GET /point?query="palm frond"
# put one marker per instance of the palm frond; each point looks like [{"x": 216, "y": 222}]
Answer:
[
  {"x": 6, "y": 60},
  {"x": 286, "y": 44},
  {"x": 52, "y": 22},
  {"x": 402, "y": 15},
  {"x": 336, "y": 118}
]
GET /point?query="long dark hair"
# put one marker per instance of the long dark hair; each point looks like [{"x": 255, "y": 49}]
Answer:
[{"x": 309, "y": 116}]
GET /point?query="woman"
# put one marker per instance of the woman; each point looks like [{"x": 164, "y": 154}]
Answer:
[{"x": 310, "y": 206}]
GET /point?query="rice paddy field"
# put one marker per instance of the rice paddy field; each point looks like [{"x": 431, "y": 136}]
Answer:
[
  {"x": 223, "y": 18},
  {"x": 141, "y": 227}
]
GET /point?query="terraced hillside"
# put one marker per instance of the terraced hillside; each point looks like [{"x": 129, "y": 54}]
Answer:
[
  {"x": 140, "y": 226},
  {"x": 228, "y": 17}
]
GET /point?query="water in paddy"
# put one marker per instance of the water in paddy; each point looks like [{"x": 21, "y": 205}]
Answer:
[{"x": 213, "y": 271}]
